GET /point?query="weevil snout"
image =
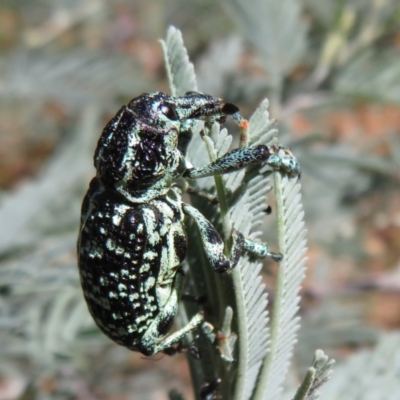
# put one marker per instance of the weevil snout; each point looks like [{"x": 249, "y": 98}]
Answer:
[{"x": 195, "y": 105}]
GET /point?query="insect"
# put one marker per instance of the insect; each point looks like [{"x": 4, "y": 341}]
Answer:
[{"x": 132, "y": 240}]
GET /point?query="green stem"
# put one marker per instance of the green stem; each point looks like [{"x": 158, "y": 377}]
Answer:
[
  {"x": 221, "y": 195},
  {"x": 305, "y": 386}
]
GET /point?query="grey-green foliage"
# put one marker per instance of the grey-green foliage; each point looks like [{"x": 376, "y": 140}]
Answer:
[
  {"x": 285, "y": 323},
  {"x": 333, "y": 324},
  {"x": 43, "y": 312},
  {"x": 276, "y": 28},
  {"x": 215, "y": 66},
  {"x": 370, "y": 375},
  {"x": 372, "y": 12},
  {"x": 255, "y": 351},
  {"x": 180, "y": 71},
  {"x": 353, "y": 29},
  {"x": 75, "y": 78},
  {"x": 373, "y": 75},
  {"x": 22, "y": 211}
]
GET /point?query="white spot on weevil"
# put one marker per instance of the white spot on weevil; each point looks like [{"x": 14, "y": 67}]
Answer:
[
  {"x": 150, "y": 221},
  {"x": 119, "y": 250},
  {"x": 119, "y": 213},
  {"x": 133, "y": 296},
  {"x": 121, "y": 287},
  {"x": 116, "y": 219},
  {"x": 145, "y": 267},
  {"x": 110, "y": 244},
  {"x": 150, "y": 282},
  {"x": 103, "y": 281},
  {"x": 149, "y": 255}
]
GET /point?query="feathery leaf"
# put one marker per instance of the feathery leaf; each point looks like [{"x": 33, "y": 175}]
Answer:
[
  {"x": 284, "y": 323},
  {"x": 276, "y": 29},
  {"x": 369, "y": 375},
  {"x": 76, "y": 78},
  {"x": 373, "y": 76},
  {"x": 249, "y": 299},
  {"x": 180, "y": 70}
]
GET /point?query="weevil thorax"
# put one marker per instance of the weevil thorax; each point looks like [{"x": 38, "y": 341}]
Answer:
[{"x": 137, "y": 154}]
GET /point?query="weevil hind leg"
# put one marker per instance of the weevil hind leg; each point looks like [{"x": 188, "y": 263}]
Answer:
[{"x": 155, "y": 338}]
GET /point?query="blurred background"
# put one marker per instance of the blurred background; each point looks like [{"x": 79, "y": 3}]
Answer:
[{"x": 331, "y": 70}]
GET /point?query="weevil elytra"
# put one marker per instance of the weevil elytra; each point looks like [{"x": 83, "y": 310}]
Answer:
[{"x": 132, "y": 240}]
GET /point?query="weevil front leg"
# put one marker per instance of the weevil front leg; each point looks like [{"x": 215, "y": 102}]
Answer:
[
  {"x": 241, "y": 158},
  {"x": 154, "y": 339},
  {"x": 214, "y": 245}
]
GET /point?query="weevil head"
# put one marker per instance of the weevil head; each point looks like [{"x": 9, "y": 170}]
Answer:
[
  {"x": 175, "y": 117},
  {"x": 168, "y": 112}
]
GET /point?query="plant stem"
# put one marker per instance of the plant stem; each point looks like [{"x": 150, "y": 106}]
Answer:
[{"x": 305, "y": 386}]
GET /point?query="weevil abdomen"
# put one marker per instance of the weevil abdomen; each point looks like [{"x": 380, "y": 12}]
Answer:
[{"x": 129, "y": 255}]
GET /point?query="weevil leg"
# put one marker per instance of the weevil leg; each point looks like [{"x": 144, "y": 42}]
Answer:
[
  {"x": 214, "y": 245},
  {"x": 194, "y": 191},
  {"x": 155, "y": 339},
  {"x": 241, "y": 158},
  {"x": 199, "y": 300},
  {"x": 260, "y": 250},
  {"x": 181, "y": 348},
  {"x": 184, "y": 186}
]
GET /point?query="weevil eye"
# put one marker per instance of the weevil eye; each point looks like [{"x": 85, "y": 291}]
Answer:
[{"x": 169, "y": 111}]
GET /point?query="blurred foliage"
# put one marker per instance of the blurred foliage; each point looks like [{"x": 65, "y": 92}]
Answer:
[{"x": 331, "y": 72}]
